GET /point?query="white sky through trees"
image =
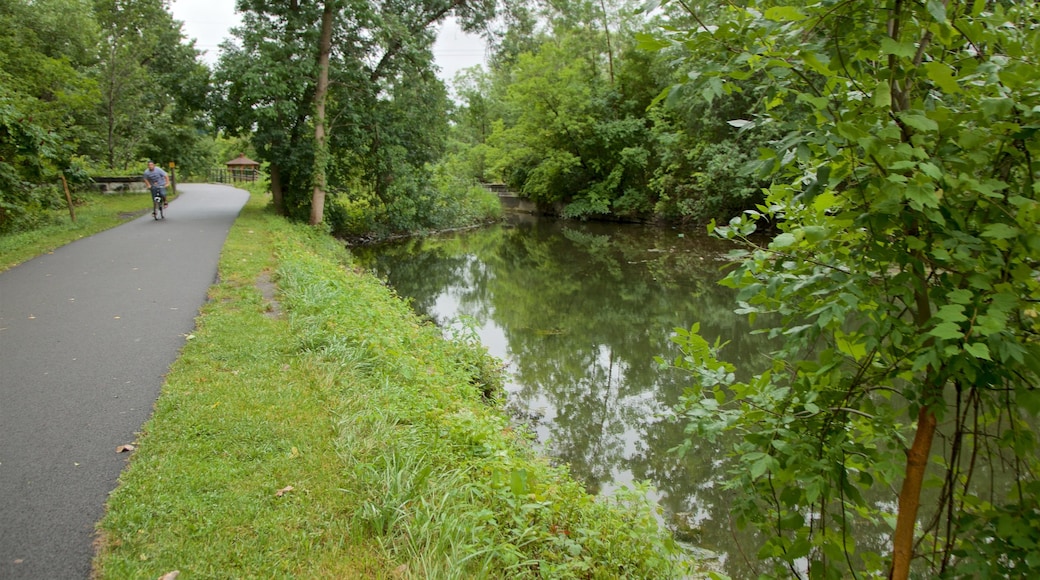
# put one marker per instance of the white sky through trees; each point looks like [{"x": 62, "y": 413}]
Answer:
[{"x": 209, "y": 22}]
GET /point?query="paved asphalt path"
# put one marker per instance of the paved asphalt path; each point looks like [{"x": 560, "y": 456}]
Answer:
[{"x": 87, "y": 334}]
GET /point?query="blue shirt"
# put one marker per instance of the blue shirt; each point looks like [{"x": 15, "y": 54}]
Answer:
[{"x": 155, "y": 177}]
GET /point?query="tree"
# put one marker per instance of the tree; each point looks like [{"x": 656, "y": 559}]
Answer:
[
  {"x": 580, "y": 128},
  {"x": 905, "y": 276},
  {"x": 262, "y": 90},
  {"x": 571, "y": 131},
  {"x": 45, "y": 102},
  {"x": 321, "y": 148},
  {"x": 315, "y": 80},
  {"x": 152, "y": 85},
  {"x": 48, "y": 46}
]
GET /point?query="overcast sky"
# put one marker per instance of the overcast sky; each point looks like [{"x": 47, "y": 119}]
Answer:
[{"x": 209, "y": 22}]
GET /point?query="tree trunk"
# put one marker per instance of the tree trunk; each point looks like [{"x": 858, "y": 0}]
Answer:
[
  {"x": 277, "y": 197},
  {"x": 321, "y": 148},
  {"x": 610, "y": 51},
  {"x": 917, "y": 455},
  {"x": 910, "y": 494}
]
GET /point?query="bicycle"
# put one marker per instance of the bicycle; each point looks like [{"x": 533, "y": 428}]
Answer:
[{"x": 157, "y": 203}]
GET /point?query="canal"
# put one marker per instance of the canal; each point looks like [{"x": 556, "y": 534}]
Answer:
[{"x": 580, "y": 313}]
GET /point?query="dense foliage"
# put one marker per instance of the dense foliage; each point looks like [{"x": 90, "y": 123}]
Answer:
[
  {"x": 362, "y": 123},
  {"x": 904, "y": 401},
  {"x": 90, "y": 87},
  {"x": 571, "y": 116}
]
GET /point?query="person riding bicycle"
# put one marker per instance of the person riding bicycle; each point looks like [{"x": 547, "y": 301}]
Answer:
[{"x": 157, "y": 181}]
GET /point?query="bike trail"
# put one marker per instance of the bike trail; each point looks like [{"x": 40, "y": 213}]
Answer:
[{"x": 87, "y": 334}]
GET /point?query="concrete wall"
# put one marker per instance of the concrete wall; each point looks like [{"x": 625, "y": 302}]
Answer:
[
  {"x": 119, "y": 184},
  {"x": 510, "y": 200}
]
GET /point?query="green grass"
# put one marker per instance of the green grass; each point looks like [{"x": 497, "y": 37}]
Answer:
[
  {"x": 94, "y": 213},
  {"x": 313, "y": 427}
]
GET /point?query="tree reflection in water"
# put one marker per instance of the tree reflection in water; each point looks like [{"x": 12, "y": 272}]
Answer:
[{"x": 579, "y": 312}]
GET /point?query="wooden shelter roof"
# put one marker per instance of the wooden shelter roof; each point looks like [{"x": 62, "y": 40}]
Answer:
[{"x": 242, "y": 160}]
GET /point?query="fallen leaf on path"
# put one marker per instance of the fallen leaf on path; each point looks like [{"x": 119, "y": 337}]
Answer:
[
  {"x": 124, "y": 448},
  {"x": 283, "y": 491}
]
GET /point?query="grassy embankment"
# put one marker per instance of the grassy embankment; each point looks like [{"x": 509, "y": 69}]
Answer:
[{"x": 313, "y": 427}]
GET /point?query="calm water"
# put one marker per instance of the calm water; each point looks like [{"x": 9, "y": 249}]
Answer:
[{"x": 579, "y": 312}]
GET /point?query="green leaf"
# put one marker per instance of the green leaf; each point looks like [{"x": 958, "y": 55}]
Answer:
[
  {"x": 650, "y": 43},
  {"x": 518, "y": 481},
  {"x": 947, "y": 330},
  {"x": 901, "y": 49},
  {"x": 799, "y": 549},
  {"x": 814, "y": 62},
  {"x": 989, "y": 324},
  {"x": 783, "y": 240},
  {"x": 960, "y": 296},
  {"x": 825, "y": 201},
  {"x": 931, "y": 170},
  {"x": 785, "y": 14},
  {"x": 937, "y": 10},
  {"x": 920, "y": 197},
  {"x": 1000, "y": 231},
  {"x": 997, "y": 107},
  {"x": 951, "y": 313},
  {"x": 857, "y": 350},
  {"x": 883, "y": 95},
  {"x": 919, "y": 122},
  {"x": 978, "y": 350},
  {"x": 816, "y": 233},
  {"x": 760, "y": 466},
  {"x": 943, "y": 76}
]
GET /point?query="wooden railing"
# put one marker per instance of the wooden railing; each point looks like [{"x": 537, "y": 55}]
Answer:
[{"x": 223, "y": 175}]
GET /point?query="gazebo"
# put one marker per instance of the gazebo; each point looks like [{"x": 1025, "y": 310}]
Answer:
[{"x": 243, "y": 168}]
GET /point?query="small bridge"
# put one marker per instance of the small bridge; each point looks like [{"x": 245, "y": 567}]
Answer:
[
  {"x": 121, "y": 184},
  {"x": 510, "y": 199}
]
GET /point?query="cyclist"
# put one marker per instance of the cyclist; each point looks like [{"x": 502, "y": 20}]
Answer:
[{"x": 155, "y": 178}]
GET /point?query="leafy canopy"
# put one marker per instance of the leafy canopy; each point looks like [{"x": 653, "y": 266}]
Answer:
[{"x": 904, "y": 279}]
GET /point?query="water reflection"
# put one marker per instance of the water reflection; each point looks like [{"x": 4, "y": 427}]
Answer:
[{"x": 579, "y": 312}]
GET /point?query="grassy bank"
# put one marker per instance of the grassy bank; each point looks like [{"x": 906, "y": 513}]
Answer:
[{"x": 313, "y": 427}]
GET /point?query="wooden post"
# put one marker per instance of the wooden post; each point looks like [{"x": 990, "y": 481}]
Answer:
[
  {"x": 68, "y": 198},
  {"x": 173, "y": 178}
]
